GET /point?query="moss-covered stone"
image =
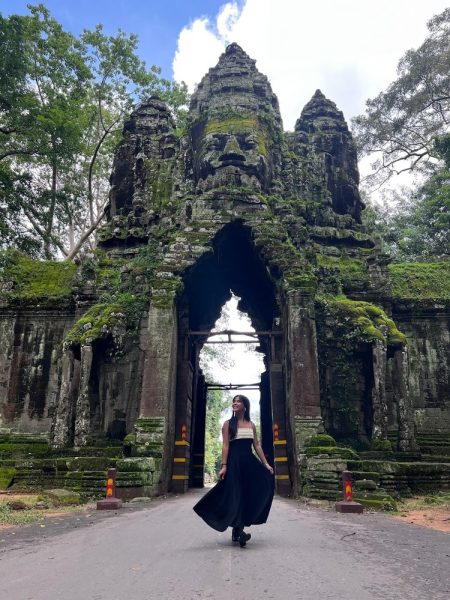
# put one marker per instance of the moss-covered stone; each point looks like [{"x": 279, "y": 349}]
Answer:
[
  {"x": 63, "y": 497},
  {"x": 321, "y": 440},
  {"x": 100, "y": 320},
  {"x": 28, "y": 282},
  {"x": 346, "y": 453},
  {"x": 420, "y": 281},
  {"x": 368, "y": 321},
  {"x": 351, "y": 274},
  {"x": 381, "y": 445},
  {"x": 23, "y": 450},
  {"x": 385, "y": 503},
  {"x": 6, "y": 477}
]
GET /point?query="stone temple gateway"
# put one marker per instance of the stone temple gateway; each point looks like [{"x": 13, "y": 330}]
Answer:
[{"x": 99, "y": 364}]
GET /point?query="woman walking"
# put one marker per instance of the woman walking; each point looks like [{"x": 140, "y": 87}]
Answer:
[{"x": 243, "y": 495}]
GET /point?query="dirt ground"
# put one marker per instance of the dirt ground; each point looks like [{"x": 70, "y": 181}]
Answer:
[{"x": 434, "y": 517}]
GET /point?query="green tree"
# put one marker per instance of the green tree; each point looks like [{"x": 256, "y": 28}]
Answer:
[
  {"x": 401, "y": 125},
  {"x": 217, "y": 402},
  {"x": 211, "y": 357},
  {"x": 62, "y": 104},
  {"x": 417, "y": 224}
]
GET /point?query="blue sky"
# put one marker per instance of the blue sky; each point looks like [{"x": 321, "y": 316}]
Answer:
[
  {"x": 156, "y": 22},
  {"x": 347, "y": 48}
]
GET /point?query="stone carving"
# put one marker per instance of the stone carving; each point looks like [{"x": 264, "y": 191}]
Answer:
[
  {"x": 235, "y": 126},
  {"x": 232, "y": 202},
  {"x": 322, "y": 129}
]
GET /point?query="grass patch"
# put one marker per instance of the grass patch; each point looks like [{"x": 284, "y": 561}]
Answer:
[
  {"x": 8, "y": 516},
  {"x": 23, "y": 509},
  {"x": 438, "y": 500}
]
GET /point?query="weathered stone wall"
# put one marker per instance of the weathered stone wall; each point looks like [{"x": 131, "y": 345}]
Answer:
[
  {"x": 429, "y": 370},
  {"x": 30, "y": 347},
  {"x": 31, "y": 378}
]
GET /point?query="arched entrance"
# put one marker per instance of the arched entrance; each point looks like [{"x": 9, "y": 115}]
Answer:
[{"x": 233, "y": 265}]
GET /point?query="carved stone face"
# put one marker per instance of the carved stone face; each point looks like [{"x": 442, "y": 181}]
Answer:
[{"x": 232, "y": 151}]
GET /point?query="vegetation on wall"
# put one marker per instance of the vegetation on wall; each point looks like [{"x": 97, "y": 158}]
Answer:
[
  {"x": 123, "y": 314},
  {"x": 420, "y": 281},
  {"x": 24, "y": 281},
  {"x": 364, "y": 321}
]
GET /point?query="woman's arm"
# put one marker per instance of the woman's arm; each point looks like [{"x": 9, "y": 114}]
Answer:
[
  {"x": 259, "y": 450},
  {"x": 225, "y": 446}
]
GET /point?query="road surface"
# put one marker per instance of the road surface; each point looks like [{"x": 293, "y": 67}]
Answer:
[{"x": 162, "y": 550}]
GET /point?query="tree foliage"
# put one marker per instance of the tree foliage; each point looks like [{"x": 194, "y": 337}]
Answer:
[
  {"x": 63, "y": 100},
  {"x": 401, "y": 124},
  {"x": 417, "y": 225},
  {"x": 217, "y": 402}
]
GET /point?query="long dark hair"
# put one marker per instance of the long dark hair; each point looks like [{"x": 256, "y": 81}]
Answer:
[{"x": 232, "y": 423}]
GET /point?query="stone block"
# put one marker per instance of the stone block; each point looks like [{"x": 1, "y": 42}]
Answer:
[{"x": 146, "y": 464}]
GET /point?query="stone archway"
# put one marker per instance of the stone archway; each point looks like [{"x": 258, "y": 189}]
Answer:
[{"x": 233, "y": 265}]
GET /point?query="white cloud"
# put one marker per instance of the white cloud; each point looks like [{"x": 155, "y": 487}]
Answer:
[
  {"x": 347, "y": 48},
  {"x": 197, "y": 43},
  {"x": 226, "y": 21}
]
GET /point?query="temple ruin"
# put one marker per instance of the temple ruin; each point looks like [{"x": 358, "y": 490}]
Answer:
[{"x": 99, "y": 362}]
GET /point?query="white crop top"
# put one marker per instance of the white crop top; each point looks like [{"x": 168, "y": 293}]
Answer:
[{"x": 244, "y": 433}]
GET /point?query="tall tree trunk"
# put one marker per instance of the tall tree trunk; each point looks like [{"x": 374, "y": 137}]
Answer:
[{"x": 51, "y": 212}]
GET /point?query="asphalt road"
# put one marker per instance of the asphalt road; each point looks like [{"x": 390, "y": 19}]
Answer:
[{"x": 162, "y": 550}]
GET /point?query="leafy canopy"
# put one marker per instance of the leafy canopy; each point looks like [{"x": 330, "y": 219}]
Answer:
[
  {"x": 63, "y": 100},
  {"x": 403, "y": 122}
]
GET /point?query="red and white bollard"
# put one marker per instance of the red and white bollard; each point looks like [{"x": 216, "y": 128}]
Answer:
[
  {"x": 110, "y": 502},
  {"x": 347, "y": 505},
  {"x": 276, "y": 432}
]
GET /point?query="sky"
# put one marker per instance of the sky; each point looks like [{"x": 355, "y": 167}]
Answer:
[
  {"x": 246, "y": 366},
  {"x": 347, "y": 48}
]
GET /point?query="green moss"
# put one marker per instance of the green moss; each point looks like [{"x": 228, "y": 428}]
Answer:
[
  {"x": 164, "y": 291},
  {"x": 321, "y": 439},
  {"x": 236, "y": 124},
  {"x": 99, "y": 320},
  {"x": 305, "y": 283},
  {"x": 420, "y": 281},
  {"x": 63, "y": 497},
  {"x": 106, "y": 271},
  {"x": 6, "y": 477},
  {"x": 15, "y": 450},
  {"x": 159, "y": 182},
  {"x": 351, "y": 273},
  {"x": 381, "y": 445},
  {"x": 239, "y": 124},
  {"x": 155, "y": 425},
  {"x": 369, "y": 320},
  {"x": 47, "y": 283}
]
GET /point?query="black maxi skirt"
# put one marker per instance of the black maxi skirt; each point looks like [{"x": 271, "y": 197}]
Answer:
[{"x": 244, "y": 496}]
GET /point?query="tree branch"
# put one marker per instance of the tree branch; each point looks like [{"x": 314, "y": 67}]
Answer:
[{"x": 85, "y": 235}]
